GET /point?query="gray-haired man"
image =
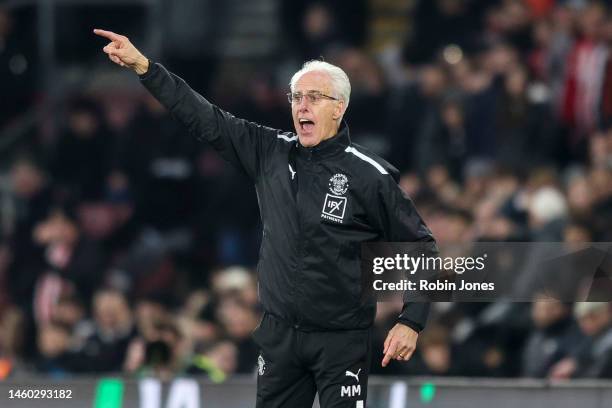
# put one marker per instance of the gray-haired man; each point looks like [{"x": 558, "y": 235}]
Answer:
[{"x": 320, "y": 196}]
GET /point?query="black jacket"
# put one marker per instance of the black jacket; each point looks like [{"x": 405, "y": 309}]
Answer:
[{"x": 317, "y": 206}]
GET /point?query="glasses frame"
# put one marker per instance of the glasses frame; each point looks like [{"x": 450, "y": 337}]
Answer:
[{"x": 313, "y": 97}]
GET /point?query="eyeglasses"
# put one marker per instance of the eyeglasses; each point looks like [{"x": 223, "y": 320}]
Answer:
[{"x": 313, "y": 97}]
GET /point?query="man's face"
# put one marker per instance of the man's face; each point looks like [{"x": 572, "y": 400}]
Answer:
[
  {"x": 546, "y": 311},
  {"x": 315, "y": 122},
  {"x": 595, "y": 321},
  {"x": 111, "y": 311}
]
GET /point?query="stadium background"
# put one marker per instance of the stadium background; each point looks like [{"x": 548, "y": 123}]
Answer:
[{"x": 127, "y": 247}]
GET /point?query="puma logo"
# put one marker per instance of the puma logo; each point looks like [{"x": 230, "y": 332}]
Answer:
[
  {"x": 350, "y": 374},
  {"x": 292, "y": 172}
]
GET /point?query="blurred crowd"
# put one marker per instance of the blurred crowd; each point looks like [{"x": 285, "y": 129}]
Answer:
[{"x": 127, "y": 246}]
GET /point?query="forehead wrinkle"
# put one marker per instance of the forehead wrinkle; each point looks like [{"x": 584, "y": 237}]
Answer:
[
  {"x": 319, "y": 79},
  {"x": 309, "y": 91}
]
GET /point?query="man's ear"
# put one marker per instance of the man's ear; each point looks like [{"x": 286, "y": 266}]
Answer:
[{"x": 339, "y": 110}]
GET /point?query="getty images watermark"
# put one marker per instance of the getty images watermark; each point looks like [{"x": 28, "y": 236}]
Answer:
[
  {"x": 422, "y": 263},
  {"x": 487, "y": 271}
]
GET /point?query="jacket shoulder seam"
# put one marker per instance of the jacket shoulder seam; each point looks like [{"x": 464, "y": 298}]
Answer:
[{"x": 366, "y": 159}]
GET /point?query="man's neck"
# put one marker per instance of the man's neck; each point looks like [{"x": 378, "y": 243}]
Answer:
[{"x": 333, "y": 133}]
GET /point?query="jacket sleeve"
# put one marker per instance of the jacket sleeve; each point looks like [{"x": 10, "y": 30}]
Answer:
[
  {"x": 400, "y": 222},
  {"x": 238, "y": 141}
]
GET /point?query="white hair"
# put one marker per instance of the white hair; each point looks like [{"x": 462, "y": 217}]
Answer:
[
  {"x": 547, "y": 204},
  {"x": 339, "y": 79}
]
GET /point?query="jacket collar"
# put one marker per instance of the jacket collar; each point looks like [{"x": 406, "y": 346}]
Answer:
[{"x": 328, "y": 147}]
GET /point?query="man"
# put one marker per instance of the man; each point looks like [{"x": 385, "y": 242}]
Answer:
[
  {"x": 591, "y": 358},
  {"x": 553, "y": 336},
  {"x": 320, "y": 197}
]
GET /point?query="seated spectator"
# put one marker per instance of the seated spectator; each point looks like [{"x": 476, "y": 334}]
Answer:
[
  {"x": 103, "y": 347},
  {"x": 81, "y": 159},
  {"x": 436, "y": 352},
  {"x": 162, "y": 353},
  {"x": 32, "y": 200},
  {"x": 237, "y": 281},
  {"x": 593, "y": 357},
  {"x": 218, "y": 360},
  {"x": 554, "y": 334},
  {"x": 53, "y": 342},
  {"x": 239, "y": 321},
  {"x": 147, "y": 312},
  {"x": 76, "y": 259},
  {"x": 70, "y": 313},
  {"x": 547, "y": 212}
]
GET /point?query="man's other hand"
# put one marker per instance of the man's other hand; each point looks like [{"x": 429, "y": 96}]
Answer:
[
  {"x": 122, "y": 52},
  {"x": 399, "y": 344}
]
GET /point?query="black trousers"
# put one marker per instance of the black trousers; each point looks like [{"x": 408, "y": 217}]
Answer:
[{"x": 294, "y": 365}]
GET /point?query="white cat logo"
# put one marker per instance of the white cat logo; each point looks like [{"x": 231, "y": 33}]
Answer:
[
  {"x": 292, "y": 172},
  {"x": 350, "y": 374},
  {"x": 261, "y": 365}
]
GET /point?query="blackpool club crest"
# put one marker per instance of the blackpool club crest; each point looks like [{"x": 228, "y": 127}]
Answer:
[{"x": 338, "y": 184}]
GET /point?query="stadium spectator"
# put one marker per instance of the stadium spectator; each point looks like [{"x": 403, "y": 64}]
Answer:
[
  {"x": 436, "y": 353},
  {"x": 32, "y": 196},
  {"x": 53, "y": 345},
  {"x": 239, "y": 321},
  {"x": 81, "y": 159},
  {"x": 102, "y": 346},
  {"x": 593, "y": 357},
  {"x": 554, "y": 335},
  {"x": 218, "y": 360},
  {"x": 72, "y": 261}
]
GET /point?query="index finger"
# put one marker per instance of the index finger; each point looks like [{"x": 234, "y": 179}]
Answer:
[
  {"x": 390, "y": 353},
  {"x": 387, "y": 341},
  {"x": 107, "y": 34}
]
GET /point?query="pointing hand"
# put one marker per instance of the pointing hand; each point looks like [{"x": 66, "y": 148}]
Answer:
[{"x": 122, "y": 52}]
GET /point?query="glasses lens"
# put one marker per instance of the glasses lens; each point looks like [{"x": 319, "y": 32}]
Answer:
[
  {"x": 313, "y": 97},
  {"x": 295, "y": 97}
]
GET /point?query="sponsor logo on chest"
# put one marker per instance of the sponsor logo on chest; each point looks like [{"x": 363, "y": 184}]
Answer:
[{"x": 334, "y": 206}]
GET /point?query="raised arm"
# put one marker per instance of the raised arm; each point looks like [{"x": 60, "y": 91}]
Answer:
[{"x": 240, "y": 142}]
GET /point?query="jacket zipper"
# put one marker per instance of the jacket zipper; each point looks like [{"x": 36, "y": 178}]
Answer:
[{"x": 301, "y": 186}]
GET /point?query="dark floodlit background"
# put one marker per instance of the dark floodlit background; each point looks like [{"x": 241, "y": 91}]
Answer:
[{"x": 127, "y": 246}]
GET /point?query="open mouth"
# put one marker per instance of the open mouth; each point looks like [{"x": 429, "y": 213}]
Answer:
[{"x": 306, "y": 125}]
